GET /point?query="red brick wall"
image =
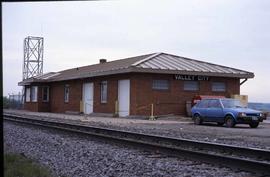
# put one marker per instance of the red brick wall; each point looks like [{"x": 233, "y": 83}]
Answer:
[
  {"x": 38, "y": 106},
  {"x": 57, "y": 101},
  {"x": 31, "y": 106},
  {"x": 172, "y": 101},
  {"x": 112, "y": 96},
  {"x": 43, "y": 106},
  {"x": 76, "y": 92}
]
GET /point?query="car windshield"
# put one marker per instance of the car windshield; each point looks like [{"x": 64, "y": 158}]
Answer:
[{"x": 232, "y": 103}]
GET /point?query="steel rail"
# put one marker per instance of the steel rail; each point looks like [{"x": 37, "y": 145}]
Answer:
[{"x": 172, "y": 146}]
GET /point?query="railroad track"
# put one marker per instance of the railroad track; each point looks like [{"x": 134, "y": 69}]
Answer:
[{"x": 238, "y": 158}]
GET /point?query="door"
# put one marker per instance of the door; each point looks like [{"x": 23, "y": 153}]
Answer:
[
  {"x": 88, "y": 91},
  {"x": 124, "y": 97},
  {"x": 215, "y": 111},
  {"x": 202, "y": 108}
]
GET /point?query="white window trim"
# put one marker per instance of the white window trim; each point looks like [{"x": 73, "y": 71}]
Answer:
[
  {"x": 103, "y": 98},
  {"x": 35, "y": 93},
  {"x": 28, "y": 94}
]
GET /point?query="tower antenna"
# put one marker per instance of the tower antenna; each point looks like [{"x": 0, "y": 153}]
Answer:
[{"x": 33, "y": 57}]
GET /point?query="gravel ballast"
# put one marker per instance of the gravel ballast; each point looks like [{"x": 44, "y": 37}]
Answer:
[
  {"x": 181, "y": 127},
  {"x": 72, "y": 155}
]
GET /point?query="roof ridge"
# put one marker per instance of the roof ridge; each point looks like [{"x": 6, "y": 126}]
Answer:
[
  {"x": 95, "y": 64},
  {"x": 146, "y": 59}
]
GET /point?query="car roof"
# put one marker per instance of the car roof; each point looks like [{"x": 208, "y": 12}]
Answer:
[{"x": 219, "y": 99}]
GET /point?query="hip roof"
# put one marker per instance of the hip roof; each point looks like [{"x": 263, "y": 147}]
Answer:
[{"x": 151, "y": 63}]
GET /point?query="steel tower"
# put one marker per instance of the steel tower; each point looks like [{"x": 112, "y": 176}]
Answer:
[{"x": 33, "y": 57}]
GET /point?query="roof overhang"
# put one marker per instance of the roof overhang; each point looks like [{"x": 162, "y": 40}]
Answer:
[
  {"x": 137, "y": 70},
  {"x": 214, "y": 74},
  {"x": 26, "y": 82}
]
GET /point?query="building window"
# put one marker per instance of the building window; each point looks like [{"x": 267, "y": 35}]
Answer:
[
  {"x": 191, "y": 85},
  {"x": 103, "y": 91},
  {"x": 218, "y": 87},
  {"x": 66, "y": 93},
  {"x": 160, "y": 84},
  {"x": 45, "y": 94},
  {"x": 34, "y": 91},
  {"x": 27, "y": 95}
]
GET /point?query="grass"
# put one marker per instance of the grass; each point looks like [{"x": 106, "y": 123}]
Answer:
[{"x": 18, "y": 165}]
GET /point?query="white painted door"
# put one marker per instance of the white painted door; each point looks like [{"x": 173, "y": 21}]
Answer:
[
  {"x": 123, "y": 97},
  {"x": 88, "y": 91}
]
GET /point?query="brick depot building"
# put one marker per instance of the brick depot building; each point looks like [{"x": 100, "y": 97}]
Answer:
[{"x": 129, "y": 86}]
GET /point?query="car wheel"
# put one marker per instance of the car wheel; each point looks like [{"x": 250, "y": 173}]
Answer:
[
  {"x": 254, "y": 124},
  {"x": 220, "y": 123},
  {"x": 229, "y": 121},
  {"x": 197, "y": 119}
]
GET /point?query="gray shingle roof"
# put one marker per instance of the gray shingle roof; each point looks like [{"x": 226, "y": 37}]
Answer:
[{"x": 150, "y": 63}]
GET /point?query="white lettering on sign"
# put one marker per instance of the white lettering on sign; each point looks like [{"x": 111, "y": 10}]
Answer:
[
  {"x": 191, "y": 78},
  {"x": 203, "y": 78}
]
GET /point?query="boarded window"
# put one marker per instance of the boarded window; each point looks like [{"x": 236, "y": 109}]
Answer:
[
  {"x": 191, "y": 85},
  {"x": 160, "y": 84},
  {"x": 45, "y": 94},
  {"x": 103, "y": 91},
  {"x": 27, "y": 95},
  {"x": 218, "y": 87},
  {"x": 34, "y": 91},
  {"x": 66, "y": 93}
]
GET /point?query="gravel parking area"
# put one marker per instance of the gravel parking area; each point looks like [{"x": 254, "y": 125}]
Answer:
[
  {"x": 179, "y": 127},
  {"x": 76, "y": 156}
]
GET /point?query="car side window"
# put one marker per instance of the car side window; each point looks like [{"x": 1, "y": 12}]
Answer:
[
  {"x": 214, "y": 104},
  {"x": 203, "y": 104}
]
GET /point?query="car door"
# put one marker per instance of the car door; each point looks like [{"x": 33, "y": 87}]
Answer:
[
  {"x": 215, "y": 111},
  {"x": 202, "y": 108}
]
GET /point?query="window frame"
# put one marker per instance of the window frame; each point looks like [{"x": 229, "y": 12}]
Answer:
[
  {"x": 48, "y": 94},
  {"x": 155, "y": 86},
  {"x": 28, "y": 94},
  {"x": 103, "y": 91},
  {"x": 192, "y": 90},
  {"x": 218, "y": 90},
  {"x": 66, "y": 94},
  {"x": 35, "y": 94},
  {"x": 203, "y": 104},
  {"x": 211, "y": 105}
]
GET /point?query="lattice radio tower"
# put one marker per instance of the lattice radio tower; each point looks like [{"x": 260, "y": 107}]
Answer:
[{"x": 33, "y": 57}]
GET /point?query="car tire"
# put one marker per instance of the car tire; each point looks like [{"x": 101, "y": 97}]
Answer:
[
  {"x": 254, "y": 124},
  {"x": 220, "y": 123},
  {"x": 197, "y": 119},
  {"x": 229, "y": 121}
]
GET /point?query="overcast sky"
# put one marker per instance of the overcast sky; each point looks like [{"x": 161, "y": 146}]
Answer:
[{"x": 226, "y": 32}]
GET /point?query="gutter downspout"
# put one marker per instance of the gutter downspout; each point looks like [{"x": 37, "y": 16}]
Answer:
[{"x": 243, "y": 81}]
